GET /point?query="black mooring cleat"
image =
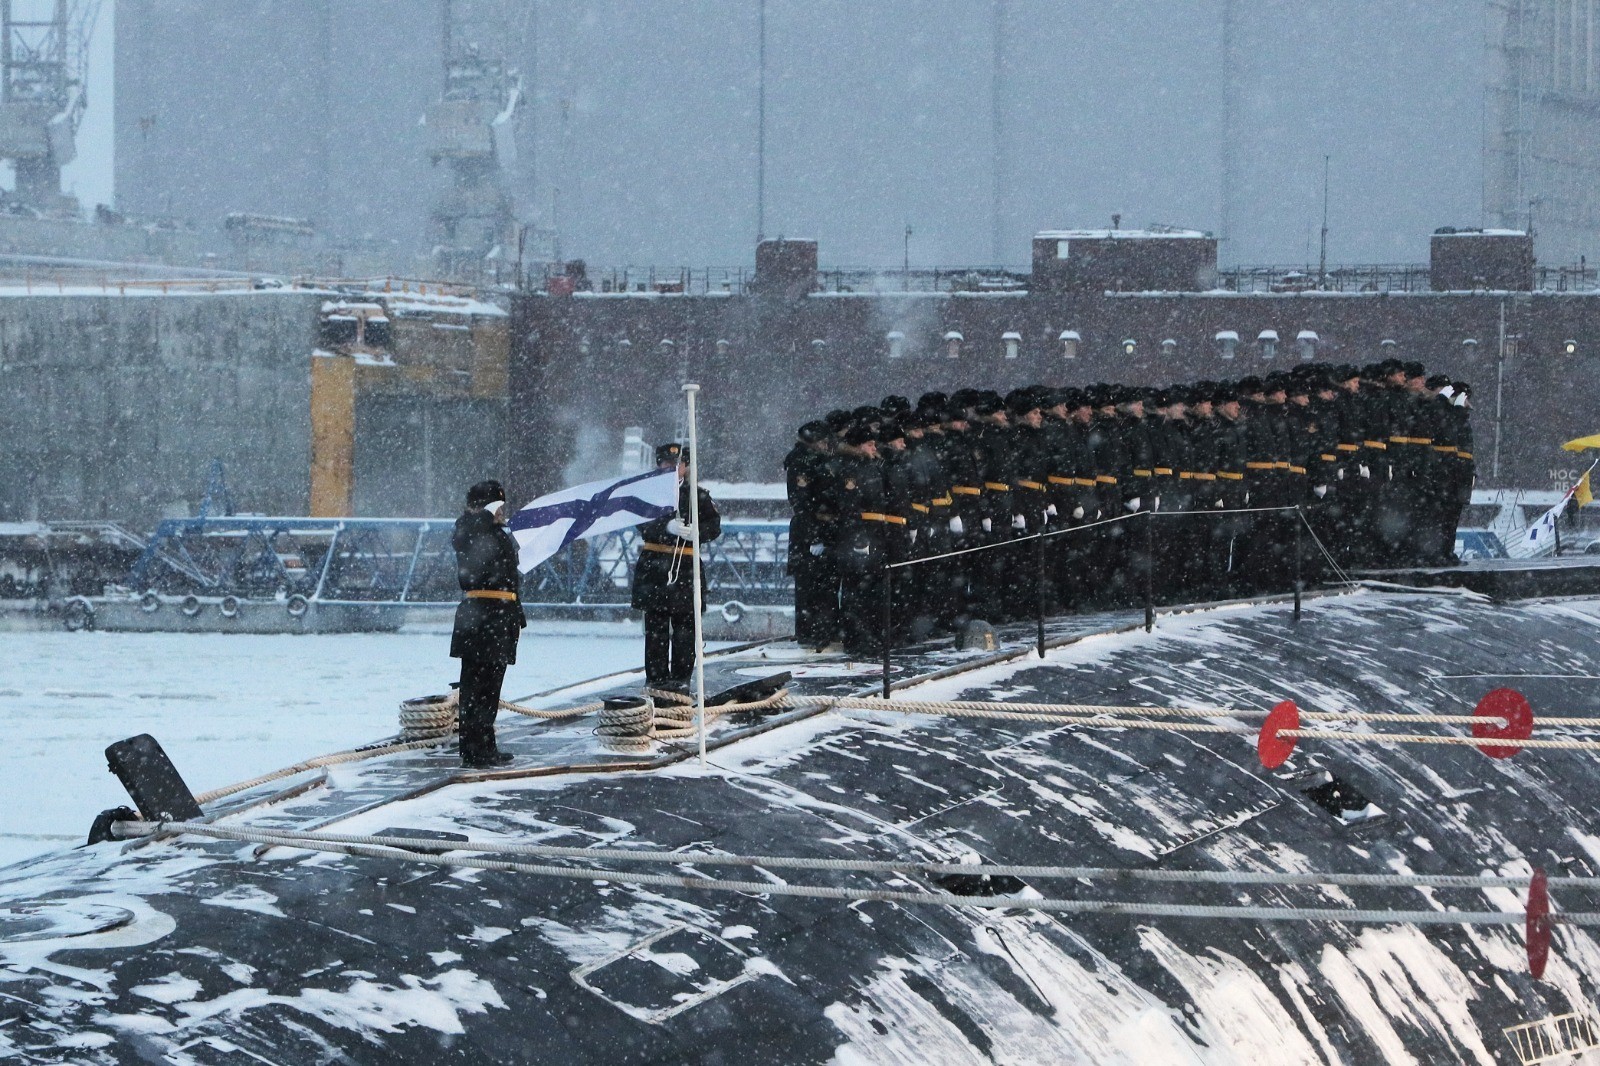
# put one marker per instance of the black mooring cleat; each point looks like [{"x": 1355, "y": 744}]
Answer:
[{"x": 153, "y": 783}]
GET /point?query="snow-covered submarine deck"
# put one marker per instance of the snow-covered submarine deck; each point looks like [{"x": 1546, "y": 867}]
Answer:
[{"x": 211, "y": 954}]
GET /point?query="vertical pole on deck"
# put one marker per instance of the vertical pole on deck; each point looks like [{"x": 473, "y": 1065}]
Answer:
[
  {"x": 888, "y": 623},
  {"x": 1299, "y": 582},
  {"x": 690, "y": 391},
  {"x": 1149, "y": 571},
  {"x": 1038, "y": 585}
]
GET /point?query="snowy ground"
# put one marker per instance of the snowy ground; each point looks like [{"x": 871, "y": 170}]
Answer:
[{"x": 226, "y": 707}]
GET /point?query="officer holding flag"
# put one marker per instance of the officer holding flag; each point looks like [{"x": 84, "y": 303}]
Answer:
[{"x": 663, "y": 579}]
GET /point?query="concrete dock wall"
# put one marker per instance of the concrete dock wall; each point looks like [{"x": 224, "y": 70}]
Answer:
[{"x": 113, "y": 406}]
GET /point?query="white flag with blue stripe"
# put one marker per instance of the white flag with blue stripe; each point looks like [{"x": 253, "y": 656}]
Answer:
[
  {"x": 1540, "y": 537},
  {"x": 553, "y": 521}
]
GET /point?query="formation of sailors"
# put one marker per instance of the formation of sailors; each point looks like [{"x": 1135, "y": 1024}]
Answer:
[{"x": 1195, "y": 491}]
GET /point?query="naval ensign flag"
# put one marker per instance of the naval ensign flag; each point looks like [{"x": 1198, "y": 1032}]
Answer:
[{"x": 551, "y": 522}]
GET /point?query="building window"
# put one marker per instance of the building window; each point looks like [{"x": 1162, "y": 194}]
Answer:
[
  {"x": 1012, "y": 340},
  {"x": 1227, "y": 343},
  {"x": 1063, "y": 249},
  {"x": 723, "y": 347},
  {"x": 1169, "y": 348},
  {"x": 1469, "y": 347},
  {"x": 1268, "y": 340},
  {"x": 897, "y": 344},
  {"x": 624, "y": 346},
  {"x": 1569, "y": 347},
  {"x": 666, "y": 347},
  {"x": 1069, "y": 343},
  {"x": 1308, "y": 340},
  {"x": 952, "y": 344},
  {"x": 1388, "y": 347},
  {"x": 1130, "y": 347},
  {"x": 818, "y": 346}
]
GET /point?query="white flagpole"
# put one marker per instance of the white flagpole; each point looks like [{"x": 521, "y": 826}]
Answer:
[{"x": 699, "y": 595}]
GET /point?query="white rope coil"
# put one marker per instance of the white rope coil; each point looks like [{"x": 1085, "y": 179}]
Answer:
[{"x": 429, "y": 716}]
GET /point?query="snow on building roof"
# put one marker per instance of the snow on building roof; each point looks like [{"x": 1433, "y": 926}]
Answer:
[{"x": 1118, "y": 234}]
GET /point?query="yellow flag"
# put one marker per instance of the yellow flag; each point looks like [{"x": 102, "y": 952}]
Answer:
[{"x": 1583, "y": 495}]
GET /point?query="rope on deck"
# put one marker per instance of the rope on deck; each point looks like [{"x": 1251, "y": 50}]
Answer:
[{"x": 1536, "y": 919}]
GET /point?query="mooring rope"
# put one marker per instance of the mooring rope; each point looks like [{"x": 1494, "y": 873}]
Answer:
[
  {"x": 335, "y": 759},
  {"x": 933, "y": 898},
  {"x": 878, "y": 866}
]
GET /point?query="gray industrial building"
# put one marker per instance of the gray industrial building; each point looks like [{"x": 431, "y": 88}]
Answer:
[{"x": 971, "y": 123}]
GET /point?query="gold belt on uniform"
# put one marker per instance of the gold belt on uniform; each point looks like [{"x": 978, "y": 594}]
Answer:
[
  {"x": 1462, "y": 454},
  {"x": 1036, "y": 486},
  {"x": 966, "y": 490},
  {"x": 1378, "y": 444},
  {"x": 1411, "y": 440},
  {"x": 1141, "y": 473},
  {"x": 1261, "y": 466},
  {"x": 1164, "y": 471},
  {"x": 920, "y": 507},
  {"x": 490, "y": 594},
  {"x": 670, "y": 549},
  {"x": 874, "y": 516},
  {"x": 1105, "y": 479},
  {"x": 1348, "y": 447},
  {"x": 942, "y": 501},
  {"x": 1297, "y": 470},
  {"x": 1230, "y": 475},
  {"x": 1328, "y": 457},
  {"x": 1445, "y": 448},
  {"x": 997, "y": 486}
]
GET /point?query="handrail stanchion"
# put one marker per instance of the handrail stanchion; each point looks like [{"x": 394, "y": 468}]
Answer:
[
  {"x": 888, "y": 622},
  {"x": 1299, "y": 582},
  {"x": 1038, "y": 585},
  {"x": 1149, "y": 571},
  {"x": 690, "y": 391}
]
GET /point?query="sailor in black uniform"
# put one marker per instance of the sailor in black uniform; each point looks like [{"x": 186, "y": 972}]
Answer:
[
  {"x": 489, "y": 620},
  {"x": 663, "y": 580},
  {"x": 816, "y": 581}
]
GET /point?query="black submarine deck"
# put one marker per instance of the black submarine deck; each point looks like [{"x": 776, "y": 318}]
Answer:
[{"x": 195, "y": 951}]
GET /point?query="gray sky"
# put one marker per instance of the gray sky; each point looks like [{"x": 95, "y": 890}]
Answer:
[
  {"x": 641, "y": 128},
  {"x": 89, "y": 176}
]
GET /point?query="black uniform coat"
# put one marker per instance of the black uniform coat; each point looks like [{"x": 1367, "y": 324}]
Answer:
[
  {"x": 664, "y": 580},
  {"x": 486, "y": 558},
  {"x": 810, "y": 522}
]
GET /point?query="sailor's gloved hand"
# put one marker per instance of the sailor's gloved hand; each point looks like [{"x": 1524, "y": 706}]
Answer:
[
  {"x": 680, "y": 529},
  {"x": 1320, "y": 491},
  {"x": 1339, "y": 473},
  {"x": 816, "y": 549},
  {"x": 914, "y": 536},
  {"x": 1018, "y": 522},
  {"x": 1051, "y": 510},
  {"x": 956, "y": 525},
  {"x": 1132, "y": 505},
  {"x": 1077, "y": 512},
  {"x": 988, "y": 525},
  {"x": 1366, "y": 471},
  {"x": 1217, "y": 504}
]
